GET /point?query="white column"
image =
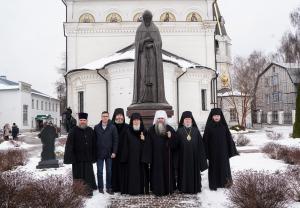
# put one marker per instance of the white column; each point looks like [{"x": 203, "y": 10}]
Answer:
[
  {"x": 259, "y": 116},
  {"x": 280, "y": 117},
  {"x": 293, "y": 116},
  {"x": 269, "y": 117}
]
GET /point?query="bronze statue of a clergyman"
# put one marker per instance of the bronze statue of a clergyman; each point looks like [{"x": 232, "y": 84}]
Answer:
[{"x": 148, "y": 68}]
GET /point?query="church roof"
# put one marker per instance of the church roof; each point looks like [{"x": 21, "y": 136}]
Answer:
[
  {"x": 127, "y": 54},
  {"x": 6, "y": 84},
  {"x": 293, "y": 70}
]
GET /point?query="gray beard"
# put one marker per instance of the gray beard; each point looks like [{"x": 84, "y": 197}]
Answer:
[
  {"x": 160, "y": 129},
  {"x": 82, "y": 126},
  {"x": 136, "y": 127}
]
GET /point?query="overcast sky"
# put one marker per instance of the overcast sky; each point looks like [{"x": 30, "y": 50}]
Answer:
[{"x": 32, "y": 40}]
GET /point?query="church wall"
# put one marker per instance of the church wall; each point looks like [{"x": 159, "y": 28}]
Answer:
[
  {"x": 87, "y": 43},
  {"x": 120, "y": 79},
  {"x": 90, "y": 41},
  {"x": 94, "y": 90},
  {"x": 127, "y": 9}
]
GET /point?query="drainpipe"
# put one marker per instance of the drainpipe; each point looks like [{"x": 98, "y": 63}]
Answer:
[
  {"x": 66, "y": 83},
  {"x": 106, "y": 82},
  {"x": 177, "y": 83}
]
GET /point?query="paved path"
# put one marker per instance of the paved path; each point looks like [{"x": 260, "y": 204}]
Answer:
[{"x": 174, "y": 201}]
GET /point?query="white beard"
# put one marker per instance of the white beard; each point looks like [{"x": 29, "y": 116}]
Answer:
[
  {"x": 160, "y": 129},
  {"x": 136, "y": 127},
  {"x": 187, "y": 125}
]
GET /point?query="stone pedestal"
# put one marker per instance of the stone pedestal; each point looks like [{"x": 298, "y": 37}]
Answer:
[
  {"x": 48, "y": 164},
  {"x": 147, "y": 111}
]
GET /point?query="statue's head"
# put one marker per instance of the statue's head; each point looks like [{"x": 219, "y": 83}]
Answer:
[
  {"x": 68, "y": 113},
  {"x": 147, "y": 18}
]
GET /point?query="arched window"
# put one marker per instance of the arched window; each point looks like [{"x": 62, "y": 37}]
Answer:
[
  {"x": 193, "y": 17},
  {"x": 138, "y": 17},
  {"x": 167, "y": 17},
  {"x": 113, "y": 17},
  {"x": 86, "y": 18}
]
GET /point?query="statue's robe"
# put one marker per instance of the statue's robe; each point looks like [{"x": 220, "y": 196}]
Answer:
[{"x": 148, "y": 69}]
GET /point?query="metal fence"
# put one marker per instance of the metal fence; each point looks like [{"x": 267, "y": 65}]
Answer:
[{"x": 288, "y": 119}]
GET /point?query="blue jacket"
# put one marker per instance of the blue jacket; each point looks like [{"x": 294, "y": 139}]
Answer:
[{"x": 107, "y": 140}]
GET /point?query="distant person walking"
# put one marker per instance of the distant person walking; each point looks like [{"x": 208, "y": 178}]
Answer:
[
  {"x": 15, "y": 131},
  {"x": 6, "y": 132}
]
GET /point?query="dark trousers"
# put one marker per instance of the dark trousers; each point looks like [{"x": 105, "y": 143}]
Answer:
[{"x": 108, "y": 164}]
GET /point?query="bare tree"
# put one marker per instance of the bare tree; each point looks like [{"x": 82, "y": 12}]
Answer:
[
  {"x": 290, "y": 42},
  {"x": 60, "y": 85},
  {"x": 247, "y": 72},
  {"x": 242, "y": 88}
]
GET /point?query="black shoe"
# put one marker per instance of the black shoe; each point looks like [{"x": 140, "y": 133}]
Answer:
[
  {"x": 90, "y": 194},
  {"x": 110, "y": 191},
  {"x": 101, "y": 191}
]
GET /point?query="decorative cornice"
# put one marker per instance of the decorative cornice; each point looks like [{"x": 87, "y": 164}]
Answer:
[{"x": 129, "y": 28}]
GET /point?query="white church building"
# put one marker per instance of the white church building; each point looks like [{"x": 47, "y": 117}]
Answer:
[{"x": 100, "y": 54}]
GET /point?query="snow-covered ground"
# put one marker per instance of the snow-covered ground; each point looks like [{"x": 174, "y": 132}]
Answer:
[
  {"x": 7, "y": 145},
  {"x": 259, "y": 138},
  {"x": 254, "y": 160}
]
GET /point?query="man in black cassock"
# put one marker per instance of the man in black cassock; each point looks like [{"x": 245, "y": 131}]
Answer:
[
  {"x": 137, "y": 179},
  {"x": 80, "y": 151},
  {"x": 119, "y": 170},
  {"x": 192, "y": 157},
  {"x": 159, "y": 147},
  {"x": 219, "y": 147}
]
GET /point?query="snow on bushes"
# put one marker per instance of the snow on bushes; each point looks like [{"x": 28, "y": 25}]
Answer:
[
  {"x": 258, "y": 189},
  {"x": 20, "y": 189},
  {"x": 290, "y": 155},
  {"x": 242, "y": 140},
  {"x": 273, "y": 135},
  {"x": 11, "y": 158},
  {"x": 293, "y": 178}
]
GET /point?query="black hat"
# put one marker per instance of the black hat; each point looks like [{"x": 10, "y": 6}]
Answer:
[
  {"x": 136, "y": 116},
  {"x": 216, "y": 111},
  {"x": 187, "y": 114},
  {"x": 82, "y": 115}
]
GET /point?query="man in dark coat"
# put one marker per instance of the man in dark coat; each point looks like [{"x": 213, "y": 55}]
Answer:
[
  {"x": 107, "y": 147},
  {"x": 15, "y": 131},
  {"x": 158, "y": 151},
  {"x": 134, "y": 139},
  {"x": 69, "y": 121},
  {"x": 219, "y": 147},
  {"x": 80, "y": 151},
  {"x": 119, "y": 171},
  {"x": 192, "y": 157}
]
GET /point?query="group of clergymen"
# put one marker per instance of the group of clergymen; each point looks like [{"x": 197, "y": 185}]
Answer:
[{"x": 158, "y": 160}]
